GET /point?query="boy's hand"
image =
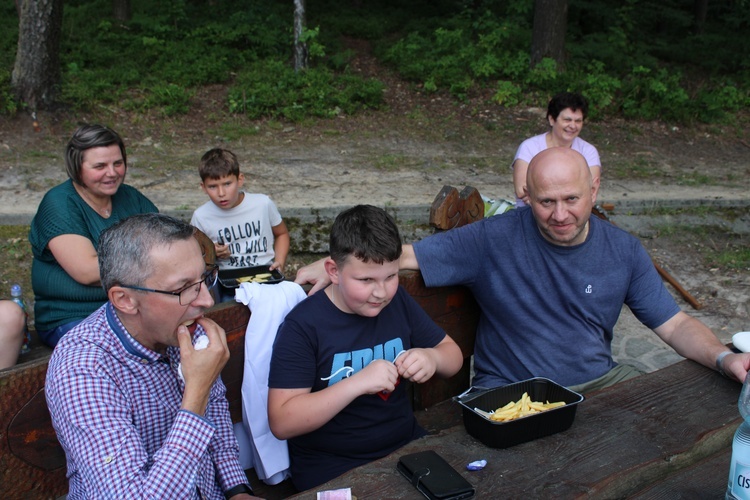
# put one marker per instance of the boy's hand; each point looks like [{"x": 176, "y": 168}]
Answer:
[
  {"x": 377, "y": 377},
  {"x": 222, "y": 251},
  {"x": 417, "y": 365},
  {"x": 277, "y": 265}
]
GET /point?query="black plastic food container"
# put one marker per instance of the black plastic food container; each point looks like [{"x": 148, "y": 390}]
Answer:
[
  {"x": 513, "y": 432},
  {"x": 229, "y": 277}
]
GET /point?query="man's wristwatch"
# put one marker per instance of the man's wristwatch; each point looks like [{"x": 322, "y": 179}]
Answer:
[
  {"x": 719, "y": 360},
  {"x": 236, "y": 490}
]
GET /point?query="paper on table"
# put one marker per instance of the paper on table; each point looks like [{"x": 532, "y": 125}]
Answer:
[{"x": 342, "y": 494}]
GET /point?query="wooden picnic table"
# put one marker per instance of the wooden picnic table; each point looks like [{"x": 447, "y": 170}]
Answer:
[{"x": 666, "y": 434}]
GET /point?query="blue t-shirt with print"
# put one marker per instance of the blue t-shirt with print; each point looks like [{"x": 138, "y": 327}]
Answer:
[{"x": 317, "y": 346}]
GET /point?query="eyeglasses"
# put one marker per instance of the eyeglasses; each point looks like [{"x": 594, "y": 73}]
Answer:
[{"x": 188, "y": 293}]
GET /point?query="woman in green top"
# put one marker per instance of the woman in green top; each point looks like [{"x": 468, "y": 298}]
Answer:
[{"x": 65, "y": 231}]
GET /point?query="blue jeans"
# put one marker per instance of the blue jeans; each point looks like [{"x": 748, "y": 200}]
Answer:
[{"x": 52, "y": 337}]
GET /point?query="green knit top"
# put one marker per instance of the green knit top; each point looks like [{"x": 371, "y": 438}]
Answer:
[{"x": 58, "y": 298}]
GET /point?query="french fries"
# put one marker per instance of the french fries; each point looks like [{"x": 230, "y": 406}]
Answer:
[
  {"x": 521, "y": 408},
  {"x": 258, "y": 278}
]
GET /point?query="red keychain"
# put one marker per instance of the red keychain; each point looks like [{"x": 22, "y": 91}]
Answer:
[{"x": 384, "y": 395}]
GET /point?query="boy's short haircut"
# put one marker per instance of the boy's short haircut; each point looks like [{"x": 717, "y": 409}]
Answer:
[
  {"x": 368, "y": 233},
  {"x": 217, "y": 163}
]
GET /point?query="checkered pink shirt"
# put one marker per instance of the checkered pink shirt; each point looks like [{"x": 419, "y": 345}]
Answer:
[{"x": 115, "y": 406}]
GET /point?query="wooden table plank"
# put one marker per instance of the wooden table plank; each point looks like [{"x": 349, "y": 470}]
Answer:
[
  {"x": 624, "y": 439},
  {"x": 705, "y": 479}
]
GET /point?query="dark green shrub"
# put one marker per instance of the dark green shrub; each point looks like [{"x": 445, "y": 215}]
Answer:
[
  {"x": 643, "y": 59},
  {"x": 651, "y": 95},
  {"x": 271, "y": 88},
  {"x": 166, "y": 49},
  {"x": 719, "y": 99},
  {"x": 8, "y": 104},
  {"x": 507, "y": 94}
]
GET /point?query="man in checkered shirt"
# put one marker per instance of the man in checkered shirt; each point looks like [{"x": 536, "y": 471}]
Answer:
[{"x": 138, "y": 410}]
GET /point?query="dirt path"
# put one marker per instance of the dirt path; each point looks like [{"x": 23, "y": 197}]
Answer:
[{"x": 350, "y": 160}]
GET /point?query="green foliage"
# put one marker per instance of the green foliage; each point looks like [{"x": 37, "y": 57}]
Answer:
[
  {"x": 340, "y": 60},
  {"x": 599, "y": 87},
  {"x": 271, "y": 88},
  {"x": 8, "y": 104},
  {"x": 544, "y": 75},
  {"x": 171, "y": 47},
  {"x": 309, "y": 37},
  {"x": 720, "y": 98},
  {"x": 8, "y": 41},
  {"x": 653, "y": 94},
  {"x": 508, "y": 93},
  {"x": 632, "y": 57},
  {"x": 171, "y": 99},
  {"x": 466, "y": 49},
  {"x": 643, "y": 59},
  {"x": 168, "y": 48},
  {"x": 8, "y": 33}
]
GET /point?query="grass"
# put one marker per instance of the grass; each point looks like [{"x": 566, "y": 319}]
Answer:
[
  {"x": 672, "y": 230},
  {"x": 718, "y": 247},
  {"x": 736, "y": 258},
  {"x": 696, "y": 179},
  {"x": 637, "y": 167},
  {"x": 236, "y": 131},
  {"x": 729, "y": 214},
  {"x": 391, "y": 162}
]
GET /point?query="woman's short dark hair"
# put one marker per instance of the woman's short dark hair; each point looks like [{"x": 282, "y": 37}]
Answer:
[
  {"x": 565, "y": 100},
  {"x": 87, "y": 137},
  {"x": 366, "y": 232}
]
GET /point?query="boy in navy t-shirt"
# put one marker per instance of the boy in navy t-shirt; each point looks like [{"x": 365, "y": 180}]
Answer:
[{"x": 339, "y": 356}]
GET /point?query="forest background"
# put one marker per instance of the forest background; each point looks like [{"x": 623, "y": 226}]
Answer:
[
  {"x": 452, "y": 82},
  {"x": 676, "y": 60}
]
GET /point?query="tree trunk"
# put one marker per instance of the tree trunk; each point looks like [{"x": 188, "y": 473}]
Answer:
[
  {"x": 300, "y": 49},
  {"x": 700, "y": 9},
  {"x": 121, "y": 10},
  {"x": 36, "y": 73},
  {"x": 548, "y": 35}
]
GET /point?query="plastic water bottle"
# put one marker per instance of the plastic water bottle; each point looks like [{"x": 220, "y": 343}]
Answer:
[
  {"x": 15, "y": 293},
  {"x": 739, "y": 469}
]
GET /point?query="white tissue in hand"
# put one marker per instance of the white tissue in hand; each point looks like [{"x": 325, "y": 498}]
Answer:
[{"x": 200, "y": 343}]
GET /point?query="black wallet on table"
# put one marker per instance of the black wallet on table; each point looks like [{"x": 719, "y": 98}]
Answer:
[{"x": 435, "y": 478}]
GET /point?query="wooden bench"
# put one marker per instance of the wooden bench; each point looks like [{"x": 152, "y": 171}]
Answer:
[{"x": 32, "y": 462}]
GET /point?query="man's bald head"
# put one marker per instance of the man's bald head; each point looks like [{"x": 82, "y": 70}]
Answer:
[
  {"x": 561, "y": 195},
  {"x": 557, "y": 165}
]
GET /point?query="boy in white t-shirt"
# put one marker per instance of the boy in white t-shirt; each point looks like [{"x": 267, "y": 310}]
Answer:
[{"x": 246, "y": 228}]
